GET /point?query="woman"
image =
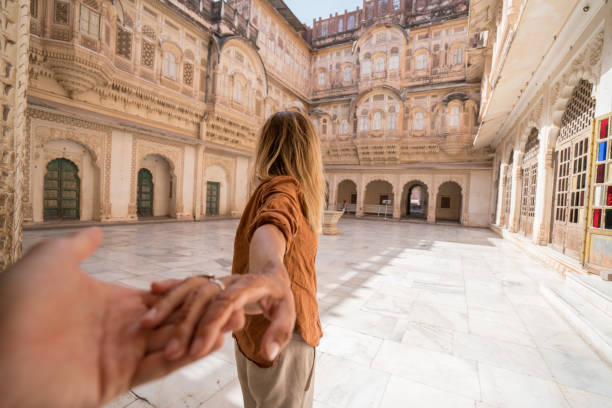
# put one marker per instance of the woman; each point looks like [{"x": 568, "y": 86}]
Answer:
[{"x": 274, "y": 265}]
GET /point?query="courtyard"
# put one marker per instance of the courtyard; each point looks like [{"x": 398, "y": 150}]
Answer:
[{"x": 413, "y": 315}]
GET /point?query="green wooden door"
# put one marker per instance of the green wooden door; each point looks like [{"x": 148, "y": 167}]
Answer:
[
  {"x": 212, "y": 198},
  {"x": 145, "y": 193},
  {"x": 62, "y": 189}
]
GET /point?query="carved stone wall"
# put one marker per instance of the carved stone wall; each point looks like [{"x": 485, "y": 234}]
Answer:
[{"x": 14, "y": 30}]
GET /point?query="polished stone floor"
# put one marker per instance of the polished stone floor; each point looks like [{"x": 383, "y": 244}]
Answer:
[{"x": 414, "y": 315}]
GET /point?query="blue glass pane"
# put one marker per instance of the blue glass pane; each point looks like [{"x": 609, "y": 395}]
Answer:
[{"x": 603, "y": 149}]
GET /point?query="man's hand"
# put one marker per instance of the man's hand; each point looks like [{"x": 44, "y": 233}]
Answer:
[{"x": 69, "y": 340}]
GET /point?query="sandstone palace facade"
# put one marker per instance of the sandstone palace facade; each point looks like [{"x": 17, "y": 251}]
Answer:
[
  {"x": 151, "y": 108},
  {"x": 480, "y": 113}
]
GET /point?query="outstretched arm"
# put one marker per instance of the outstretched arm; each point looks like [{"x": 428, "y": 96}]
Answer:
[{"x": 69, "y": 340}]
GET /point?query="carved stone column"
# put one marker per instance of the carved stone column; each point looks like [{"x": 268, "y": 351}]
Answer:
[
  {"x": 501, "y": 208},
  {"x": 545, "y": 186},
  {"x": 515, "y": 198},
  {"x": 431, "y": 205},
  {"x": 198, "y": 184},
  {"x": 359, "y": 212},
  {"x": 14, "y": 28},
  {"x": 397, "y": 205},
  {"x": 333, "y": 197}
]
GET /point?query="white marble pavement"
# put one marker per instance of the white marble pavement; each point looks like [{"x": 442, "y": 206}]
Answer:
[{"x": 414, "y": 315}]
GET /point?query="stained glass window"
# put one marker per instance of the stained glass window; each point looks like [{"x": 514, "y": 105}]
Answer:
[{"x": 602, "y": 190}]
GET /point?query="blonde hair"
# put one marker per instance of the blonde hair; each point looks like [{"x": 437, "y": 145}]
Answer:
[{"x": 289, "y": 146}]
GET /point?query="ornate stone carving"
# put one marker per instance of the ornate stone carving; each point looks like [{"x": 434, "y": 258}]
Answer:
[
  {"x": 76, "y": 70},
  {"x": 173, "y": 153},
  {"x": 97, "y": 139}
]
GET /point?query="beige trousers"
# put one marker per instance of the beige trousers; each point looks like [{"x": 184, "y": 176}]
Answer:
[{"x": 289, "y": 383}]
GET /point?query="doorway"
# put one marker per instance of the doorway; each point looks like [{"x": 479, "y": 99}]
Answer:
[
  {"x": 212, "y": 198},
  {"x": 145, "y": 193},
  {"x": 62, "y": 190}
]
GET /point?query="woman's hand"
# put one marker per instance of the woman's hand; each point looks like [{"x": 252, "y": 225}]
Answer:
[{"x": 201, "y": 313}]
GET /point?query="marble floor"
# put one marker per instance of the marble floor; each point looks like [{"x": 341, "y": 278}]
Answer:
[{"x": 413, "y": 315}]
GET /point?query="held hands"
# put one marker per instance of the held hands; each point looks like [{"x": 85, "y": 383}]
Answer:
[
  {"x": 69, "y": 340},
  {"x": 195, "y": 313},
  {"x": 201, "y": 312}
]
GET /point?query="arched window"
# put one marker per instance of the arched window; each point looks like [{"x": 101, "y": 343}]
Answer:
[
  {"x": 321, "y": 78},
  {"x": 324, "y": 127},
  {"x": 458, "y": 56},
  {"x": 391, "y": 121},
  {"x": 380, "y": 64},
  {"x": 316, "y": 124},
  {"x": 237, "y": 92},
  {"x": 344, "y": 127},
  {"x": 377, "y": 121},
  {"x": 90, "y": 22},
  {"x": 351, "y": 23},
  {"x": 394, "y": 63},
  {"x": 364, "y": 124},
  {"x": 419, "y": 121},
  {"x": 169, "y": 66},
  {"x": 340, "y": 25},
  {"x": 366, "y": 68},
  {"x": 421, "y": 61},
  {"x": 454, "y": 116},
  {"x": 348, "y": 74}
]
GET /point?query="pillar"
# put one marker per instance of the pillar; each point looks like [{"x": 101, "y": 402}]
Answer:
[
  {"x": 333, "y": 197},
  {"x": 604, "y": 88},
  {"x": 432, "y": 201},
  {"x": 544, "y": 186},
  {"x": 198, "y": 184},
  {"x": 397, "y": 204},
  {"x": 515, "y": 198},
  {"x": 503, "y": 173},
  {"x": 360, "y": 199},
  {"x": 14, "y": 27}
]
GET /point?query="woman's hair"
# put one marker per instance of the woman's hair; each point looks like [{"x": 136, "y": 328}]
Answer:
[{"x": 289, "y": 146}]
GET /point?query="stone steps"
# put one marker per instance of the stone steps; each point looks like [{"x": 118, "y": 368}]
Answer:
[{"x": 586, "y": 305}]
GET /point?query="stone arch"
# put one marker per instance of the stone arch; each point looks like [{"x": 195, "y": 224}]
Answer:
[
  {"x": 405, "y": 198},
  {"x": 377, "y": 190},
  {"x": 450, "y": 201},
  {"x": 88, "y": 172},
  {"x": 347, "y": 195},
  {"x": 173, "y": 154},
  {"x": 583, "y": 67},
  {"x": 379, "y": 27},
  {"x": 165, "y": 183},
  {"x": 254, "y": 57}
]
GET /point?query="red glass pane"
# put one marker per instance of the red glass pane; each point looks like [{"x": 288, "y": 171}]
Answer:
[
  {"x": 609, "y": 198},
  {"x": 597, "y": 218},
  {"x": 604, "y": 129},
  {"x": 601, "y": 172}
]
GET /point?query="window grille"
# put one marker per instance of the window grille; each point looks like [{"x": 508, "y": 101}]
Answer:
[
  {"x": 124, "y": 43},
  {"x": 148, "y": 54},
  {"x": 580, "y": 111},
  {"x": 573, "y": 148}
]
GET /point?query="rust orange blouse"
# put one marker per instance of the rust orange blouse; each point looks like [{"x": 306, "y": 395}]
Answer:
[{"x": 277, "y": 202}]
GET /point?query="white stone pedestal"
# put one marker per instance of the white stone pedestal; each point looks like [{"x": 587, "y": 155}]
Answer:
[{"x": 330, "y": 222}]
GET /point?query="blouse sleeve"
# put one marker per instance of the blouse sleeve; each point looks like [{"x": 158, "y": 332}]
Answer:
[{"x": 280, "y": 206}]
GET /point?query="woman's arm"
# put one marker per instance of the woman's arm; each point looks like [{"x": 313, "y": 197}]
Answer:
[
  {"x": 207, "y": 313},
  {"x": 266, "y": 254}
]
